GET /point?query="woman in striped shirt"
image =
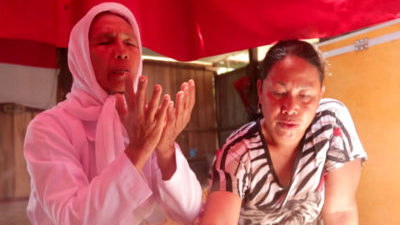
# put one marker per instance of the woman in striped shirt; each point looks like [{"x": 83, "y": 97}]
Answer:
[{"x": 300, "y": 163}]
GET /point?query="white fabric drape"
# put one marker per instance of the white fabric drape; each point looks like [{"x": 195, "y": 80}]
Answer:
[{"x": 87, "y": 100}]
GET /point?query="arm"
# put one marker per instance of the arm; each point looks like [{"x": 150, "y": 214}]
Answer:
[
  {"x": 230, "y": 181},
  {"x": 180, "y": 196},
  {"x": 343, "y": 166},
  {"x": 177, "y": 119},
  {"x": 222, "y": 208},
  {"x": 340, "y": 188},
  {"x": 178, "y": 188},
  {"x": 143, "y": 122},
  {"x": 161, "y": 126},
  {"x": 56, "y": 165},
  {"x": 61, "y": 191}
]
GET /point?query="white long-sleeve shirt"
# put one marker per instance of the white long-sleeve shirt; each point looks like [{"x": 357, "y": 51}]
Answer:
[{"x": 66, "y": 189}]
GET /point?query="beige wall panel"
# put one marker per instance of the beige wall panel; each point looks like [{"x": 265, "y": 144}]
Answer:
[{"x": 368, "y": 82}]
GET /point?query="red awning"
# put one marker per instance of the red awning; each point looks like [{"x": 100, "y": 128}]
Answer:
[{"x": 191, "y": 29}]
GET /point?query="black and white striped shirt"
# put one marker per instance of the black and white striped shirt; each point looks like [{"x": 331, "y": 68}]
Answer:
[{"x": 243, "y": 166}]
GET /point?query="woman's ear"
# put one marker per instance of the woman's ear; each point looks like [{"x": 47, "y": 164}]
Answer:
[
  {"x": 259, "y": 93},
  {"x": 322, "y": 91},
  {"x": 259, "y": 87}
]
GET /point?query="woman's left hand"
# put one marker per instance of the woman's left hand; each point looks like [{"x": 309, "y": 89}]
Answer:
[{"x": 177, "y": 119}]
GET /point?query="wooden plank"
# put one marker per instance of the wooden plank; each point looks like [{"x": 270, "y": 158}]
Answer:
[
  {"x": 14, "y": 178},
  {"x": 7, "y": 172},
  {"x": 230, "y": 110},
  {"x": 203, "y": 119},
  {"x": 22, "y": 180}
]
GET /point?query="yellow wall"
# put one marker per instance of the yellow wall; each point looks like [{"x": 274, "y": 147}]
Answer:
[{"x": 368, "y": 82}]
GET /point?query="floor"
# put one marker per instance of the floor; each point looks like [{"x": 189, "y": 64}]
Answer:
[{"x": 13, "y": 213}]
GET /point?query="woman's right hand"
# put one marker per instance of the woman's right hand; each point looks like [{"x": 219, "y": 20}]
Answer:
[{"x": 143, "y": 122}]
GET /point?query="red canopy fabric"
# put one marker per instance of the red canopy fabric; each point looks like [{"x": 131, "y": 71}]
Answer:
[{"x": 191, "y": 29}]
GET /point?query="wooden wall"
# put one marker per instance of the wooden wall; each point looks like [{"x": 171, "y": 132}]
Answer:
[
  {"x": 201, "y": 130},
  {"x": 201, "y": 133},
  {"x": 231, "y": 112},
  {"x": 14, "y": 179}
]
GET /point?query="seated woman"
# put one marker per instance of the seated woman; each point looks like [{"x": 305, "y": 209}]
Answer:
[
  {"x": 97, "y": 158},
  {"x": 299, "y": 164}
]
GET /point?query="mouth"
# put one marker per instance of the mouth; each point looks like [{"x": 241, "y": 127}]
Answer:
[
  {"x": 287, "y": 124},
  {"x": 120, "y": 72}
]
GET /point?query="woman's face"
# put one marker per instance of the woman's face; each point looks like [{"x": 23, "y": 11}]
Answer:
[
  {"x": 289, "y": 97},
  {"x": 114, "y": 51}
]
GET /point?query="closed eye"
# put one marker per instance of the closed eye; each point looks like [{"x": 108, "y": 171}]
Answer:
[
  {"x": 130, "y": 42},
  {"x": 305, "y": 97},
  {"x": 104, "y": 43},
  {"x": 279, "y": 93}
]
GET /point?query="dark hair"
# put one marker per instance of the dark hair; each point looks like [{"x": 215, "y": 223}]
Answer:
[{"x": 297, "y": 48}]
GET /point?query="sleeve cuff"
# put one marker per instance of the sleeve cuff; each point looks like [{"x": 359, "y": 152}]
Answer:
[
  {"x": 132, "y": 182},
  {"x": 182, "y": 168}
]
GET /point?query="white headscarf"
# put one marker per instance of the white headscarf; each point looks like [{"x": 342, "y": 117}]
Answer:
[{"x": 87, "y": 99}]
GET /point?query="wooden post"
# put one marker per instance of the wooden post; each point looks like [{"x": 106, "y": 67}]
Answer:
[{"x": 252, "y": 73}]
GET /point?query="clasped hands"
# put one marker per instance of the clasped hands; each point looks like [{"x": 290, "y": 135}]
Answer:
[{"x": 154, "y": 126}]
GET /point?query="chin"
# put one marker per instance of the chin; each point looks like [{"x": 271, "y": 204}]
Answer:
[
  {"x": 118, "y": 89},
  {"x": 115, "y": 91}
]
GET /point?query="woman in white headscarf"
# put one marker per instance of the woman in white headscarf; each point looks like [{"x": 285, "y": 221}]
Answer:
[{"x": 93, "y": 164}]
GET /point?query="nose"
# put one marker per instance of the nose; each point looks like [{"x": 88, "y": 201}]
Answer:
[
  {"x": 290, "y": 105},
  {"x": 120, "y": 51}
]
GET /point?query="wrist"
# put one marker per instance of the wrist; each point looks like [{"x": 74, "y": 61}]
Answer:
[
  {"x": 137, "y": 156},
  {"x": 167, "y": 163},
  {"x": 164, "y": 149}
]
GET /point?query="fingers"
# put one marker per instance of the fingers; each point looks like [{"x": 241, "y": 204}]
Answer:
[
  {"x": 168, "y": 135},
  {"x": 185, "y": 89},
  {"x": 154, "y": 101},
  {"x": 179, "y": 105},
  {"x": 129, "y": 93},
  {"x": 189, "y": 90},
  {"x": 161, "y": 114},
  {"x": 186, "y": 103},
  {"x": 192, "y": 93},
  {"x": 140, "y": 98},
  {"x": 170, "y": 120},
  {"x": 120, "y": 107},
  {"x": 171, "y": 116},
  {"x": 185, "y": 99}
]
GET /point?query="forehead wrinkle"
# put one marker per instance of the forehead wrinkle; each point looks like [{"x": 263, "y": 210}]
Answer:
[
  {"x": 290, "y": 85},
  {"x": 107, "y": 29},
  {"x": 112, "y": 33},
  {"x": 293, "y": 76}
]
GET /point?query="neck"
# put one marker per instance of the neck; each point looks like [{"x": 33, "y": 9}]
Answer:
[{"x": 284, "y": 150}]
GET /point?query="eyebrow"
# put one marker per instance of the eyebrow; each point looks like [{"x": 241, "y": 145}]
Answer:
[
  {"x": 284, "y": 85},
  {"x": 110, "y": 34}
]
